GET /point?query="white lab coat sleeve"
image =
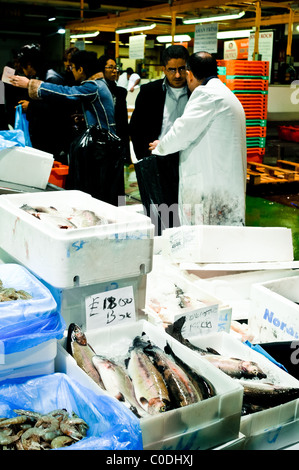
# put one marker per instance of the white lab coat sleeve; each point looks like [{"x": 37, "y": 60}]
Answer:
[{"x": 199, "y": 113}]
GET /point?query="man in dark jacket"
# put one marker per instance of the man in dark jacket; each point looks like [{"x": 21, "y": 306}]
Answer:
[{"x": 158, "y": 105}]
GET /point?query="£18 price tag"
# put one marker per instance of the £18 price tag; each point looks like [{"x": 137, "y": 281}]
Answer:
[{"x": 110, "y": 308}]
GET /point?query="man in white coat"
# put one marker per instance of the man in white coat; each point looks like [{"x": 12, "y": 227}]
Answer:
[{"x": 211, "y": 138}]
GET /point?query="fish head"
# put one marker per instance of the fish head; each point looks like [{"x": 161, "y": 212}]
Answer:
[
  {"x": 251, "y": 368},
  {"x": 157, "y": 405},
  {"x": 78, "y": 336}
]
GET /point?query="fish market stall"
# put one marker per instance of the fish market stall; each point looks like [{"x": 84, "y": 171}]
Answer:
[
  {"x": 270, "y": 419},
  {"x": 125, "y": 321},
  {"x": 205, "y": 415}
]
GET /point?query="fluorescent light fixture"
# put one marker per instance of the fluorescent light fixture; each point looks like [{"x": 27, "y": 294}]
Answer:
[
  {"x": 135, "y": 28},
  {"x": 61, "y": 31},
  {"x": 210, "y": 19},
  {"x": 52, "y": 18},
  {"x": 91, "y": 34},
  {"x": 242, "y": 33},
  {"x": 177, "y": 38}
]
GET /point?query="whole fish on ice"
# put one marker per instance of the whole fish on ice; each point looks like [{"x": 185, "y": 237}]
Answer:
[
  {"x": 181, "y": 389},
  {"x": 117, "y": 382},
  {"x": 82, "y": 352},
  {"x": 150, "y": 389},
  {"x": 234, "y": 367}
]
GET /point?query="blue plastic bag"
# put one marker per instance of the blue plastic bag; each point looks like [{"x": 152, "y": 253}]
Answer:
[
  {"x": 111, "y": 425},
  {"x": 22, "y": 124},
  {"x": 27, "y": 323},
  {"x": 262, "y": 351},
  {"x": 14, "y": 138}
]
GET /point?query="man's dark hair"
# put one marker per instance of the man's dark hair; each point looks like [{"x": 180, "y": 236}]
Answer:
[
  {"x": 130, "y": 70},
  {"x": 174, "y": 52},
  {"x": 202, "y": 65},
  {"x": 31, "y": 54},
  {"x": 69, "y": 50},
  {"x": 87, "y": 60}
]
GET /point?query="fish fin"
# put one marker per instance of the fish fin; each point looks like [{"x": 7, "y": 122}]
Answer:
[
  {"x": 120, "y": 397},
  {"x": 69, "y": 338},
  {"x": 213, "y": 351},
  {"x": 143, "y": 401}
]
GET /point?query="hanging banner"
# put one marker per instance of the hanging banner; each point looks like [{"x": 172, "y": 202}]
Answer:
[
  {"x": 205, "y": 38},
  {"x": 136, "y": 46},
  {"x": 265, "y": 47},
  {"x": 237, "y": 49}
]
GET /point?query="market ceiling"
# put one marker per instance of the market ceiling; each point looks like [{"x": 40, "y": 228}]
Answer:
[{"x": 88, "y": 15}]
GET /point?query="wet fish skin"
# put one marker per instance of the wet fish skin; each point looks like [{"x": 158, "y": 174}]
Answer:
[
  {"x": 235, "y": 367},
  {"x": 175, "y": 330},
  {"x": 82, "y": 352},
  {"x": 181, "y": 390},
  {"x": 267, "y": 395},
  {"x": 117, "y": 382},
  {"x": 149, "y": 386},
  {"x": 204, "y": 387}
]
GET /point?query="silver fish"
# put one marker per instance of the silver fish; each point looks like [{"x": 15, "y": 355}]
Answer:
[
  {"x": 117, "y": 382},
  {"x": 267, "y": 395},
  {"x": 181, "y": 389},
  {"x": 149, "y": 385},
  {"x": 235, "y": 367},
  {"x": 82, "y": 352}
]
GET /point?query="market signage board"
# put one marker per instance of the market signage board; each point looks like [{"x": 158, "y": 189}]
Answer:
[
  {"x": 265, "y": 46},
  {"x": 110, "y": 308},
  {"x": 136, "y": 46},
  {"x": 200, "y": 321},
  {"x": 205, "y": 38}
]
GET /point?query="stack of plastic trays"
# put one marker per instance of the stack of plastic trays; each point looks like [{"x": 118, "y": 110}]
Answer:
[{"x": 249, "y": 81}]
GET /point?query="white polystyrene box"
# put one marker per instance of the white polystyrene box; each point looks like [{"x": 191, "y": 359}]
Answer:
[
  {"x": 227, "y": 244},
  {"x": 26, "y": 165},
  {"x": 160, "y": 288},
  {"x": 234, "y": 289},
  {"x": 274, "y": 310},
  {"x": 81, "y": 256},
  {"x": 202, "y": 425},
  {"x": 38, "y": 360},
  {"x": 270, "y": 429}
]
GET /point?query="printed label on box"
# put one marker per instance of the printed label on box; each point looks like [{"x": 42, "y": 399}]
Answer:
[{"x": 110, "y": 308}]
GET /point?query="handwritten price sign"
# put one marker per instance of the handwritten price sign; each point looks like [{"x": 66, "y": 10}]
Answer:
[{"x": 110, "y": 308}]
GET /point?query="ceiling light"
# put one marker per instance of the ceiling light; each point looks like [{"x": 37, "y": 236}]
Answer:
[
  {"x": 210, "y": 19},
  {"x": 242, "y": 33},
  {"x": 91, "y": 34},
  {"x": 52, "y": 18},
  {"x": 177, "y": 38},
  {"x": 135, "y": 28},
  {"x": 61, "y": 31}
]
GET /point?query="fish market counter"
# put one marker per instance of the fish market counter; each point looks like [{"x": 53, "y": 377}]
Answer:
[{"x": 128, "y": 349}]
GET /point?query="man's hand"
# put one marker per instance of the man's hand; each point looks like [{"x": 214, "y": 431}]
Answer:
[
  {"x": 21, "y": 82},
  {"x": 153, "y": 145},
  {"x": 24, "y": 104}
]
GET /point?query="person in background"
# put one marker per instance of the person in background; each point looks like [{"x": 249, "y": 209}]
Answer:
[
  {"x": 67, "y": 61},
  {"x": 129, "y": 80},
  {"x": 211, "y": 139},
  {"x": 46, "y": 123},
  {"x": 97, "y": 105},
  {"x": 157, "y": 106},
  {"x": 108, "y": 67}
]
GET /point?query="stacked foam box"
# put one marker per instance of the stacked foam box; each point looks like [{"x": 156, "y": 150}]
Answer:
[
  {"x": 78, "y": 263},
  {"x": 249, "y": 81},
  {"x": 29, "y": 327}
]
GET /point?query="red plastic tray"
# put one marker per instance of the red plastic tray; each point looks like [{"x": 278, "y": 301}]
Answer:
[{"x": 58, "y": 174}]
